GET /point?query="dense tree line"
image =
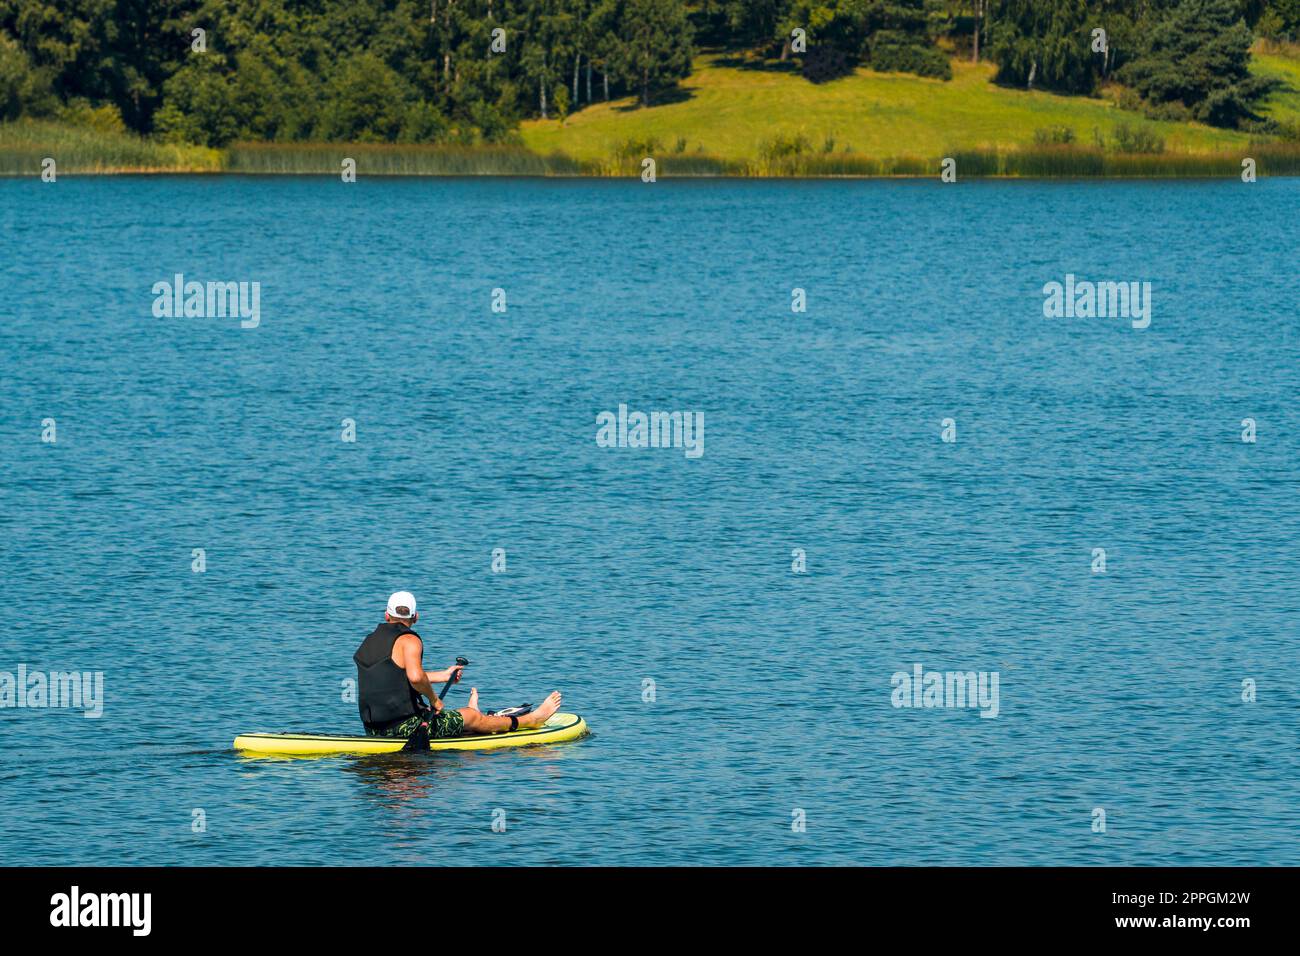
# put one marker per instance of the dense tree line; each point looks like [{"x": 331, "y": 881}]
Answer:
[
  {"x": 887, "y": 35},
  {"x": 439, "y": 70},
  {"x": 382, "y": 70},
  {"x": 1186, "y": 59}
]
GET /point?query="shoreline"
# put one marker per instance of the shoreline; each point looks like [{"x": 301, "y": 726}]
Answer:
[
  {"x": 720, "y": 178},
  {"x": 1171, "y": 176},
  {"x": 76, "y": 152}
]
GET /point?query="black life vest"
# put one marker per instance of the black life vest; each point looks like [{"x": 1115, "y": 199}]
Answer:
[{"x": 384, "y": 695}]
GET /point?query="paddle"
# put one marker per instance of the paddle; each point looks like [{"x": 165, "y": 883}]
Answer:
[
  {"x": 454, "y": 678},
  {"x": 419, "y": 739}
]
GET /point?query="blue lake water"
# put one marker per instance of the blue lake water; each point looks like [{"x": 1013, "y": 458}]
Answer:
[{"x": 476, "y": 430}]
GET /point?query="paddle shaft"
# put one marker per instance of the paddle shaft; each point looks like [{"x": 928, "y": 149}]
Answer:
[
  {"x": 447, "y": 686},
  {"x": 419, "y": 739}
]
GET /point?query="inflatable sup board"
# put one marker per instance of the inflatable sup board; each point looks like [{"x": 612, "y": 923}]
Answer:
[{"x": 560, "y": 727}]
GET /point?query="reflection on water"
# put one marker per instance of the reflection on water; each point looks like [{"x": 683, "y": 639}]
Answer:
[{"x": 397, "y": 781}]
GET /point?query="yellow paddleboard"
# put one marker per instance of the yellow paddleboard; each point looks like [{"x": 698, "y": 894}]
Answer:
[{"x": 559, "y": 727}]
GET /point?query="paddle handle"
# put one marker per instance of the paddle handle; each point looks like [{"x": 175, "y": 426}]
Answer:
[{"x": 447, "y": 686}]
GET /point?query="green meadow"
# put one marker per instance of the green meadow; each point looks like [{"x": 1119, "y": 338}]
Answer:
[
  {"x": 730, "y": 110},
  {"x": 1283, "y": 65}
]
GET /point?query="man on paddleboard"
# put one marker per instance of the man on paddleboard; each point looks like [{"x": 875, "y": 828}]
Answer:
[{"x": 391, "y": 680}]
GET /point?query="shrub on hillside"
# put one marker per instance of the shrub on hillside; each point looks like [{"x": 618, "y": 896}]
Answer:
[
  {"x": 104, "y": 119},
  {"x": 635, "y": 148},
  {"x": 784, "y": 146},
  {"x": 824, "y": 63},
  {"x": 1130, "y": 99},
  {"x": 890, "y": 51},
  {"x": 1137, "y": 139},
  {"x": 1287, "y": 130},
  {"x": 1053, "y": 135},
  {"x": 1174, "y": 112}
]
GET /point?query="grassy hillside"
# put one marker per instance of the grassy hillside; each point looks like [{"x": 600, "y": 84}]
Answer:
[
  {"x": 729, "y": 110},
  {"x": 1283, "y": 105}
]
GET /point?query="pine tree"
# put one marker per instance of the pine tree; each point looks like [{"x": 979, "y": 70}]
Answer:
[
  {"x": 1199, "y": 58},
  {"x": 655, "y": 45}
]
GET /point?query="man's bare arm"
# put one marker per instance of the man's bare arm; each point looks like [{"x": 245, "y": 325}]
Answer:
[
  {"x": 410, "y": 653},
  {"x": 441, "y": 677}
]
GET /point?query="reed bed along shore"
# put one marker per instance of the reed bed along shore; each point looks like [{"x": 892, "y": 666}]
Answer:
[
  {"x": 1069, "y": 162},
  {"x": 26, "y": 144},
  {"x": 24, "y": 147},
  {"x": 383, "y": 159}
]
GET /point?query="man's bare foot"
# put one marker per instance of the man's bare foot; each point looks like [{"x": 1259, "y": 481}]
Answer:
[
  {"x": 543, "y": 713},
  {"x": 473, "y": 698}
]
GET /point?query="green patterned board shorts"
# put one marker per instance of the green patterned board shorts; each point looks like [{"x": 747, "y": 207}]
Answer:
[{"x": 448, "y": 723}]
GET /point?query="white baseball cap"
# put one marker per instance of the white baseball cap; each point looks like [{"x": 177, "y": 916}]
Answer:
[{"x": 401, "y": 604}]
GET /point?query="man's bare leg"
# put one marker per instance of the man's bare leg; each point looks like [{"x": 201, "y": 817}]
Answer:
[{"x": 480, "y": 723}]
